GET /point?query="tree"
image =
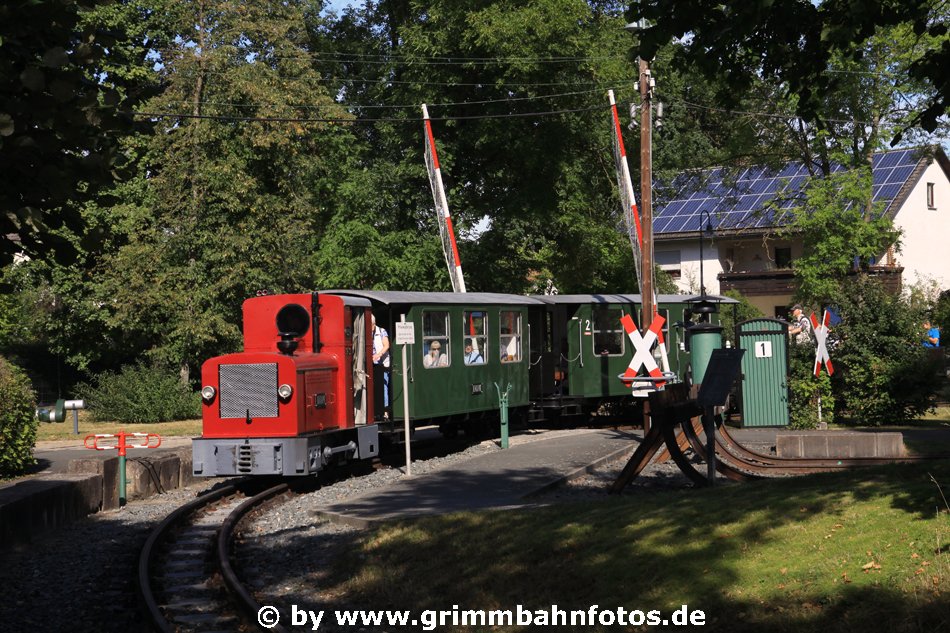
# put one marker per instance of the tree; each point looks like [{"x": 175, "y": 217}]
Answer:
[
  {"x": 837, "y": 230},
  {"x": 882, "y": 373},
  {"x": 796, "y": 41},
  {"x": 59, "y": 123},
  {"x": 233, "y": 187},
  {"x": 543, "y": 185}
]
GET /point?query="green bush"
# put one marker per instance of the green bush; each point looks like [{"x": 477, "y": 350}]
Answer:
[
  {"x": 807, "y": 391},
  {"x": 17, "y": 420},
  {"x": 138, "y": 393},
  {"x": 883, "y": 374}
]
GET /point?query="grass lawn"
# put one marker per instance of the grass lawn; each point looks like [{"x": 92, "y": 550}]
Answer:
[
  {"x": 64, "y": 430},
  {"x": 867, "y": 550}
]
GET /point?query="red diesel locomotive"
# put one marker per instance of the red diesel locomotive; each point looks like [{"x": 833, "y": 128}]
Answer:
[{"x": 298, "y": 398}]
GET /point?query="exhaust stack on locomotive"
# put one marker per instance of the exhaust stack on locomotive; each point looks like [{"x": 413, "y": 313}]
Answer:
[{"x": 298, "y": 397}]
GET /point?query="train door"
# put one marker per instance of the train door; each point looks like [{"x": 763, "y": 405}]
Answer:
[
  {"x": 543, "y": 356},
  {"x": 361, "y": 365},
  {"x": 378, "y": 333}
]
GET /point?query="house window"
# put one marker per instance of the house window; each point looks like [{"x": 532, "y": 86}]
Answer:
[
  {"x": 475, "y": 333},
  {"x": 931, "y": 203},
  {"x": 669, "y": 262},
  {"x": 783, "y": 257},
  {"x": 608, "y": 331},
  {"x": 509, "y": 331},
  {"x": 435, "y": 340}
]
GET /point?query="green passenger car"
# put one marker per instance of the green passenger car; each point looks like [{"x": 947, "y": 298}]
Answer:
[
  {"x": 583, "y": 348},
  {"x": 465, "y": 343}
]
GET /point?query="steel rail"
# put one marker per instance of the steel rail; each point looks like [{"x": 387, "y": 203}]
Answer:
[
  {"x": 147, "y": 555},
  {"x": 669, "y": 434},
  {"x": 799, "y": 465},
  {"x": 244, "y": 599},
  {"x": 724, "y": 465}
]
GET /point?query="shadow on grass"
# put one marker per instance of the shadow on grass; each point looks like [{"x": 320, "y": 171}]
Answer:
[{"x": 660, "y": 551}]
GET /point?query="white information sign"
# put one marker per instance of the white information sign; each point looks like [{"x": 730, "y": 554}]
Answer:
[
  {"x": 405, "y": 333},
  {"x": 763, "y": 349}
]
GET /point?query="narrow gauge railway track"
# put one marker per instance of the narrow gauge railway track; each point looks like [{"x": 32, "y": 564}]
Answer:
[{"x": 185, "y": 578}]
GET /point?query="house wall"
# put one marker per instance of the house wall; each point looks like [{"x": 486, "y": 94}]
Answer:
[
  {"x": 726, "y": 254},
  {"x": 925, "y": 242},
  {"x": 688, "y": 282}
]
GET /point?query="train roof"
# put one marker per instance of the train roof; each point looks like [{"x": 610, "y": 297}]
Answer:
[
  {"x": 626, "y": 298},
  {"x": 392, "y": 297},
  {"x": 400, "y": 297}
]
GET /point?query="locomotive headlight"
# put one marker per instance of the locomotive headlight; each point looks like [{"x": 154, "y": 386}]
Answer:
[
  {"x": 285, "y": 391},
  {"x": 207, "y": 393}
]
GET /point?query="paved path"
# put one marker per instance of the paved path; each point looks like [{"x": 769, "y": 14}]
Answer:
[{"x": 500, "y": 479}]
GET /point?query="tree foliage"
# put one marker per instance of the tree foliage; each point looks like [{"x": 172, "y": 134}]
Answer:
[
  {"x": 59, "y": 123},
  {"x": 838, "y": 229},
  {"x": 17, "y": 420},
  {"x": 882, "y": 373},
  {"x": 796, "y": 43},
  {"x": 280, "y": 149}
]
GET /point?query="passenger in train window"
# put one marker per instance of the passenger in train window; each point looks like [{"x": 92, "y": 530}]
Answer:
[
  {"x": 472, "y": 355},
  {"x": 435, "y": 357}
]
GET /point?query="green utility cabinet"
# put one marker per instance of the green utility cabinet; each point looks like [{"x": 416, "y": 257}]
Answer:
[{"x": 764, "y": 393}]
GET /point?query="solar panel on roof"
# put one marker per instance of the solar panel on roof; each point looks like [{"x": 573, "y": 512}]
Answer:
[
  {"x": 889, "y": 159},
  {"x": 736, "y": 195},
  {"x": 901, "y": 174},
  {"x": 888, "y": 192},
  {"x": 677, "y": 224}
]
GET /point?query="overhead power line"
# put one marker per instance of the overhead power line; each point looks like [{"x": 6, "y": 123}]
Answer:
[
  {"x": 415, "y": 106},
  {"x": 405, "y": 59},
  {"x": 275, "y": 119}
]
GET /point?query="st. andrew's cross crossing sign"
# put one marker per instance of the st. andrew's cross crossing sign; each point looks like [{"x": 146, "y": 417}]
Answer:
[
  {"x": 642, "y": 348},
  {"x": 821, "y": 336}
]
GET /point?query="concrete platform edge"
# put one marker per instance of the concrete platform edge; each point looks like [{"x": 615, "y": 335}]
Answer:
[
  {"x": 40, "y": 504},
  {"x": 622, "y": 453}
]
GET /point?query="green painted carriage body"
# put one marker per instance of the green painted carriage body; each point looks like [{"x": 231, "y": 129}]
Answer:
[
  {"x": 595, "y": 350},
  {"x": 562, "y": 347},
  {"x": 495, "y": 323}
]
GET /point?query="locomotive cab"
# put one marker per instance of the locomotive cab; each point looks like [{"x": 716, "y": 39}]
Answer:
[{"x": 298, "y": 397}]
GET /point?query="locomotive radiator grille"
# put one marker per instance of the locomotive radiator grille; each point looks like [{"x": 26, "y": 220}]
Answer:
[{"x": 248, "y": 390}]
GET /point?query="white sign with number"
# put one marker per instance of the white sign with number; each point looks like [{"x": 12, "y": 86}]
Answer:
[
  {"x": 763, "y": 349},
  {"x": 405, "y": 333}
]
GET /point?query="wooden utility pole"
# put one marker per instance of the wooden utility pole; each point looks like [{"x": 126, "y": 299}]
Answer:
[{"x": 646, "y": 192}]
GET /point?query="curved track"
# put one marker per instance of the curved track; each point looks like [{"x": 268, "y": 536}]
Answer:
[
  {"x": 737, "y": 462},
  {"x": 185, "y": 578}
]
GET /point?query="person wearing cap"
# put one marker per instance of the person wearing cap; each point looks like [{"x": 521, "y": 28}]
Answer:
[
  {"x": 435, "y": 357},
  {"x": 801, "y": 331}
]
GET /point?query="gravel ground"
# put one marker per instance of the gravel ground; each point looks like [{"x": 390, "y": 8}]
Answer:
[{"x": 80, "y": 578}]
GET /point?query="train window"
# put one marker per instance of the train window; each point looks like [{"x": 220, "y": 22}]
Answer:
[
  {"x": 608, "y": 331},
  {"x": 475, "y": 331},
  {"x": 436, "y": 351},
  {"x": 509, "y": 330}
]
